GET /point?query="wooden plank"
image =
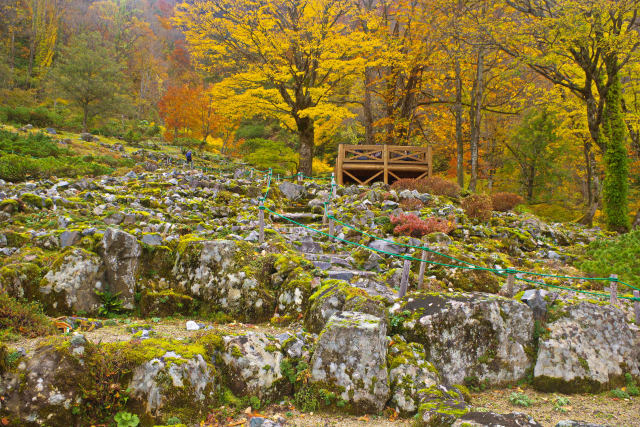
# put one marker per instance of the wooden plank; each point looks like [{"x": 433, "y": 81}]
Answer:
[
  {"x": 372, "y": 177},
  {"x": 423, "y": 266},
  {"x": 385, "y": 155},
  {"x": 339, "y": 164},
  {"x": 430, "y": 160},
  {"x": 261, "y": 220},
  {"x": 352, "y": 177},
  {"x": 404, "y": 281},
  {"x": 613, "y": 298}
]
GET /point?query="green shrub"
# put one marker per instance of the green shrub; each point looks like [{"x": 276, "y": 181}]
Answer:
[
  {"x": 39, "y": 116},
  {"x": 520, "y": 399},
  {"x": 36, "y": 145},
  {"x": 23, "y": 318},
  {"x": 619, "y": 394},
  {"x": 614, "y": 256}
]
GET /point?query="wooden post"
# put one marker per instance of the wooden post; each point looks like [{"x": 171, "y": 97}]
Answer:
[
  {"x": 404, "y": 281},
  {"x": 324, "y": 215},
  {"x": 331, "y": 228},
  {"x": 334, "y": 187},
  {"x": 430, "y": 159},
  {"x": 385, "y": 156},
  {"x": 613, "y": 289},
  {"x": 511, "y": 282},
  {"x": 339, "y": 163},
  {"x": 423, "y": 265},
  {"x": 251, "y": 174},
  {"x": 299, "y": 177},
  {"x": 636, "y": 306},
  {"x": 261, "y": 220}
]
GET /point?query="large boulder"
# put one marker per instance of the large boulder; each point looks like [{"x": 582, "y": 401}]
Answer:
[
  {"x": 409, "y": 372},
  {"x": 470, "y": 336},
  {"x": 441, "y": 405},
  {"x": 291, "y": 191},
  {"x": 122, "y": 260},
  {"x": 252, "y": 365},
  {"x": 43, "y": 389},
  {"x": 350, "y": 361},
  {"x": 220, "y": 272},
  {"x": 491, "y": 419},
  {"x": 72, "y": 283},
  {"x": 334, "y": 296},
  {"x": 171, "y": 379},
  {"x": 589, "y": 349}
]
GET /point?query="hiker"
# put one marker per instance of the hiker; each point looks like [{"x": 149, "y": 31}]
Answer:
[{"x": 189, "y": 161}]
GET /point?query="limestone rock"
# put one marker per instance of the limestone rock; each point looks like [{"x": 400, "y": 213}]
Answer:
[
  {"x": 471, "y": 335},
  {"x": 43, "y": 389},
  {"x": 350, "y": 360},
  {"x": 441, "y": 406},
  {"x": 216, "y": 271},
  {"x": 291, "y": 191},
  {"x": 409, "y": 372},
  {"x": 72, "y": 283},
  {"x": 160, "y": 381},
  {"x": 122, "y": 260},
  {"x": 334, "y": 296},
  {"x": 252, "y": 363},
  {"x": 491, "y": 419},
  {"x": 589, "y": 349}
]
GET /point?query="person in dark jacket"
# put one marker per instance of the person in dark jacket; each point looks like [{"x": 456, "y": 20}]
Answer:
[{"x": 189, "y": 160}]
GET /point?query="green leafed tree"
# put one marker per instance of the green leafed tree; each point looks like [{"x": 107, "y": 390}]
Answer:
[
  {"x": 616, "y": 182},
  {"x": 87, "y": 75}
]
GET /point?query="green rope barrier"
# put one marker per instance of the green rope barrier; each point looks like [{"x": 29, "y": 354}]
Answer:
[{"x": 408, "y": 257}]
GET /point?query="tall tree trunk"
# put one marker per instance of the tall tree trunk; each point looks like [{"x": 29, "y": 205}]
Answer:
[
  {"x": 531, "y": 179},
  {"x": 475, "y": 116},
  {"x": 306, "y": 134},
  {"x": 457, "y": 112},
  {"x": 368, "y": 108},
  {"x": 587, "y": 161},
  {"x": 85, "y": 115}
]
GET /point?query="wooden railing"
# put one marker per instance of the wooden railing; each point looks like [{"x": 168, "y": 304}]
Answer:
[{"x": 373, "y": 161}]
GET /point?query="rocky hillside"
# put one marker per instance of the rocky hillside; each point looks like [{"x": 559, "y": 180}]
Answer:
[{"x": 159, "y": 240}]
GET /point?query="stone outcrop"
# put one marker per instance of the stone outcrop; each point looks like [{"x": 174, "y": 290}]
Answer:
[
  {"x": 122, "y": 260},
  {"x": 350, "y": 361},
  {"x": 589, "y": 349},
  {"x": 471, "y": 335},
  {"x": 72, "y": 283}
]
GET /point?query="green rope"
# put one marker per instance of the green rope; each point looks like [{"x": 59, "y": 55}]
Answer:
[{"x": 408, "y": 257}]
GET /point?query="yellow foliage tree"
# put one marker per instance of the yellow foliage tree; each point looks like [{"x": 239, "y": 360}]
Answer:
[{"x": 285, "y": 59}]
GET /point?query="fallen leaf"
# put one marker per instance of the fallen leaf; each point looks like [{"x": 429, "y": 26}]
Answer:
[
  {"x": 364, "y": 418},
  {"x": 238, "y": 423},
  {"x": 5, "y": 421}
]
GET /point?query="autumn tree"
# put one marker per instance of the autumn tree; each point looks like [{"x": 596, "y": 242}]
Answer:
[
  {"x": 280, "y": 58},
  {"x": 583, "y": 47},
  {"x": 87, "y": 74}
]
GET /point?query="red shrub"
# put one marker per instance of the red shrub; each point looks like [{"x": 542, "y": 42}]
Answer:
[
  {"x": 434, "y": 185},
  {"x": 477, "y": 206},
  {"x": 503, "y": 202},
  {"x": 411, "y": 225},
  {"x": 411, "y": 204}
]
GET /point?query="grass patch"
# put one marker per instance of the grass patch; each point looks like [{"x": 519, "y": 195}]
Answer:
[{"x": 24, "y": 319}]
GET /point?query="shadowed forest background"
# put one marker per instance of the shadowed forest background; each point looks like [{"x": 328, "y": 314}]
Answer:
[{"x": 538, "y": 99}]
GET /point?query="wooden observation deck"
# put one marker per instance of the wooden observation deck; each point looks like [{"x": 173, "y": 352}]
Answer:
[{"x": 364, "y": 164}]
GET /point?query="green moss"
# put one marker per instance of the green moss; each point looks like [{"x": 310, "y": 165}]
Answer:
[{"x": 32, "y": 200}]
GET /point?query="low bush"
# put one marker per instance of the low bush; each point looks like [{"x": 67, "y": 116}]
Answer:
[
  {"x": 503, "y": 202},
  {"x": 411, "y": 225},
  {"x": 24, "y": 319},
  {"x": 477, "y": 206},
  {"x": 17, "y": 168},
  {"x": 433, "y": 185},
  {"x": 39, "y": 116},
  {"x": 34, "y": 145},
  {"x": 619, "y": 256},
  {"x": 411, "y": 204}
]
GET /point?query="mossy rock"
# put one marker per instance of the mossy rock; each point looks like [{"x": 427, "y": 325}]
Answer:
[
  {"x": 11, "y": 206},
  {"x": 165, "y": 303}
]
